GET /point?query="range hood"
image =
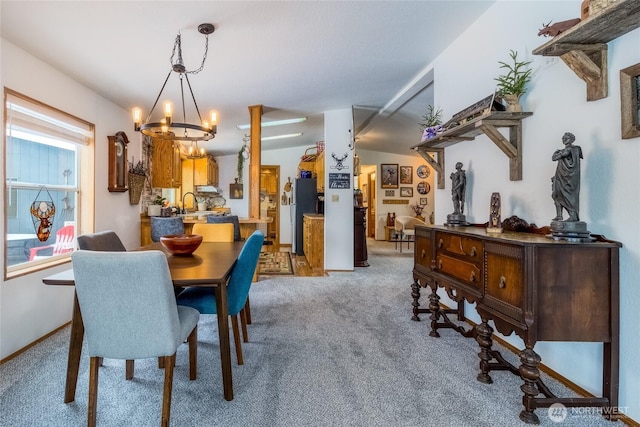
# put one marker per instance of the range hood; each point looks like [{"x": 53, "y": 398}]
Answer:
[{"x": 207, "y": 189}]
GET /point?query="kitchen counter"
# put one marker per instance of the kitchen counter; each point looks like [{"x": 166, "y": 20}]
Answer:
[{"x": 247, "y": 225}]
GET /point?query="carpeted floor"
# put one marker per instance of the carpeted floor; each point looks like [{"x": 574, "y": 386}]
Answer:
[
  {"x": 339, "y": 351},
  {"x": 275, "y": 263}
]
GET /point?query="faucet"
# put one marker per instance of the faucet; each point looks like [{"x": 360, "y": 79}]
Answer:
[{"x": 195, "y": 199}]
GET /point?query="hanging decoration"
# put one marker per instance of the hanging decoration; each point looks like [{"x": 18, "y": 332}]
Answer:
[{"x": 43, "y": 213}]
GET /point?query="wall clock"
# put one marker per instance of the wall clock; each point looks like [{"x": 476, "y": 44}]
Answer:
[{"x": 118, "y": 162}]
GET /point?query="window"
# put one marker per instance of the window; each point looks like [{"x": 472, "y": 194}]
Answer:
[{"x": 48, "y": 163}]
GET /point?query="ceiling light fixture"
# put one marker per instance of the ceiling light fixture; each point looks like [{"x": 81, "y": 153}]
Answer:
[
  {"x": 274, "y": 123},
  {"x": 166, "y": 128},
  {"x": 288, "y": 135}
]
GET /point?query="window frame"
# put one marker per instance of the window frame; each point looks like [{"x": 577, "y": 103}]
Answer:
[{"x": 83, "y": 185}]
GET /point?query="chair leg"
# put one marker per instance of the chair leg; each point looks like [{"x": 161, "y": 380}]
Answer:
[
  {"x": 193, "y": 353},
  {"x": 247, "y": 310},
  {"x": 129, "y": 369},
  {"x": 94, "y": 364},
  {"x": 236, "y": 339},
  {"x": 160, "y": 362},
  {"x": 100, "y": 361},
  {"x": 243, "y": 325},
  {"x": 168, "y": 387}
]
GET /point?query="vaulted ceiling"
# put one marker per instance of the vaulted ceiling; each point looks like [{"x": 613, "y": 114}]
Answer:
[{"x": 296, "y": 58}]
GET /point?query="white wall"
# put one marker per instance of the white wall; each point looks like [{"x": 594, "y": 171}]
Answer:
[
  {"x": 29, "y": 309},
  {"x": 610, "y": 174}
]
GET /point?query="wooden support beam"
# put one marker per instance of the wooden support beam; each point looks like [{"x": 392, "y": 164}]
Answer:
[
  {"x": 255, "y": 148},
  {"x": 590, "y": 66}
]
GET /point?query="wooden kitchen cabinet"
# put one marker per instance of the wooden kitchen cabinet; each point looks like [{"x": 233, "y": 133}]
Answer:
[
  {"x": 166, "y": 165},
  {"x": 524, "y": 282},
  {"x": 205, "y": 171},
  {"x": 313, "y": 240}
]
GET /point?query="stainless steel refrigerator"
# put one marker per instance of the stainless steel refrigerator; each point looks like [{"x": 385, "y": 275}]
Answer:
[{"x": 304, "y": 201}]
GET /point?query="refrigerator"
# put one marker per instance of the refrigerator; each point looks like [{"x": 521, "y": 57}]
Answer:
[{"x": 304, "y": 201}]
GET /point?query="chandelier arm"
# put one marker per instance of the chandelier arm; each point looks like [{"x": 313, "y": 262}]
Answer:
[
  {"x": 159, "y": 94},
  {"x": 192, "y": 97}
]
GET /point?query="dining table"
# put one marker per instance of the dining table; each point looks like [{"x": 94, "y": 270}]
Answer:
[{"x": 210, "y": 266}]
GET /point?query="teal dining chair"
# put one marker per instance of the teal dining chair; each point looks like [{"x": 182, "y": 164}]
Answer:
[
  {"x": 121, "y": 326},
  {"x": 203, "y": 300}
]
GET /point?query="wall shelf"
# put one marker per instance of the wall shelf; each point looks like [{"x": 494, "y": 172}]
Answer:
[
  {"x": 584, "y": 47},
  {"x": 487, "y": 125}
]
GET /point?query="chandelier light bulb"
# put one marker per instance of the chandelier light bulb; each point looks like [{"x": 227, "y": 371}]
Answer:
[
  {"x": 214, "y": 117},
  {"x": 137, "y": 118}
]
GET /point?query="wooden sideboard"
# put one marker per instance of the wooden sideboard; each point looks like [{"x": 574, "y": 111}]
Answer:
[{"x": 541, "y": 289}]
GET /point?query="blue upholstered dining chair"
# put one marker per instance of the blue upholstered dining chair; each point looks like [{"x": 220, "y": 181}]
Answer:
[
  {"x": 203, "y": 300},
  {"x": 163, "y": 226},
  {"x": 233, "y": 219},
  {"x": 120, "y": 324}
]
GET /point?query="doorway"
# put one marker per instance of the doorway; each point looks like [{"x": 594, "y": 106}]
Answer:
[{"x": 270, "y": 203}]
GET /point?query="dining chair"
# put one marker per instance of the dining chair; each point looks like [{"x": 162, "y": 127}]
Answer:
[
  {"x": 63, "y": 243},
  {"x": 163, "y": 226},
  {"x": 233, "y": 219},
  {"x": 214, "y": 232},
  {"x": 405, "y": 228},
  {"x": 119, "y": 326},
  {"x": 203, "y": 300}
]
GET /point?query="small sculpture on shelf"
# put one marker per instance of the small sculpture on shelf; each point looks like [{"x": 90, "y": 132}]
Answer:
[
  {"x": 495, "y": 223},
  {"x": 565, "y": 191},
  {"x": 458, "y": 188}
]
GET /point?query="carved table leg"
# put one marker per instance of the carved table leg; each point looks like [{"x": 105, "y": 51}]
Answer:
[
  {"x": 483, "y": 337},
  {"x": 434, "y": 307},
  {"x": 415, "y": 294},
  {"x": 529, "y": 372}
]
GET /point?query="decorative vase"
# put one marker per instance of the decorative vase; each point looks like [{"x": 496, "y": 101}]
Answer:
[
  {"x": 513, "y": 102},
  {"x": 154, "y": 210}
]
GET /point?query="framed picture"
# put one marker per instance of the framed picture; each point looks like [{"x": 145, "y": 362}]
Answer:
[
  {"x": 235, "y": 191},
  {"x": 406, "y": 174},
  {"x": 389, "y": 193},
  {"x": 424, "y": 187},
  {"x": 389, "y": 175},
  {"x": 630, "y": 101},
  {"x": 423, "y": 201},
  {"x": 406, "y": 191}
]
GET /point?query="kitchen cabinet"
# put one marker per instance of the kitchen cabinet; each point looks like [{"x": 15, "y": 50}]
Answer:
[
  {"x": 205, "y": 171},
  {"x": 524, "y": 283},
  {"x": 166, "y": 165},
  {"x": 313, "y": 240}
]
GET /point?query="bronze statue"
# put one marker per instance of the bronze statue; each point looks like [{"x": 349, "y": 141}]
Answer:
[
  {"x": 565, "y": 185},
  {"x": 458, "y": 185}
]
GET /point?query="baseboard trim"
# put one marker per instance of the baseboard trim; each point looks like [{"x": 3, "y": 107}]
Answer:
[{"x": 27, "y": 347}]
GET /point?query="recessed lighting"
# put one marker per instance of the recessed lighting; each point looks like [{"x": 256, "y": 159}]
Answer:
[
  {"x": 288, "y": 135},
  {"x": 275, "y": 123}
]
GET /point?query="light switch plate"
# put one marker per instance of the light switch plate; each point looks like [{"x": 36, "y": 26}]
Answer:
[{"x": 335, "y": 197}]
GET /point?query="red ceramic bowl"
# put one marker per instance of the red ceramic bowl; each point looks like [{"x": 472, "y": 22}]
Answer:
[{"x": 181, "y": 244}]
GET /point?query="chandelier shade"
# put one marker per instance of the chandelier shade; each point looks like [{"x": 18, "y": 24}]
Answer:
[{"x": 180, "y": 129}]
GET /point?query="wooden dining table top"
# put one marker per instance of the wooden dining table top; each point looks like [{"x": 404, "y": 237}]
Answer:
[{"x": 210, "y": 264}]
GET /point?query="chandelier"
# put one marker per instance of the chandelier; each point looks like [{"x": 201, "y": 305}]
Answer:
[{"x": 169, "y": 129}]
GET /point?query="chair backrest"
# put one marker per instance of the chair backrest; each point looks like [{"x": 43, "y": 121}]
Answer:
[
  {"x": 101, "y": 241},
  {"x": 163, "y": 226},
  {"x": 407, "y": 223},
  {"x": 214, "y": 232},
  {"x": 127, "y": 303},
  {"x": 64, "y": 240},
  {"x": 225, "y": 219},
  {"x": 242, "y": 274}
]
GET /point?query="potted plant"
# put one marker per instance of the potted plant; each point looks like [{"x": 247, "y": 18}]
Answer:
[
  {"x": 512, "y": 85},
  {"x": 155, "y": 207},
  {"x": 431, "y": 125}
]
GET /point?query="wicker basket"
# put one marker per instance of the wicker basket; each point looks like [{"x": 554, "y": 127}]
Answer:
[
  {"x": 308, "y": 163},
  {"x": 136, "y": 184}
]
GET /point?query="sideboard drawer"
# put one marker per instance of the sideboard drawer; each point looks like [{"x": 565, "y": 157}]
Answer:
[
  {"x": 467, "y": 272},
  {"x": 504, "y": 279},
  {"x": 423, "y": 256},
  {"x": 468, "y": 248}
]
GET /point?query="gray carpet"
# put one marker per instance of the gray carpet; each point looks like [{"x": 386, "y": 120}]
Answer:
[{"x": 324, "y": 351}]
